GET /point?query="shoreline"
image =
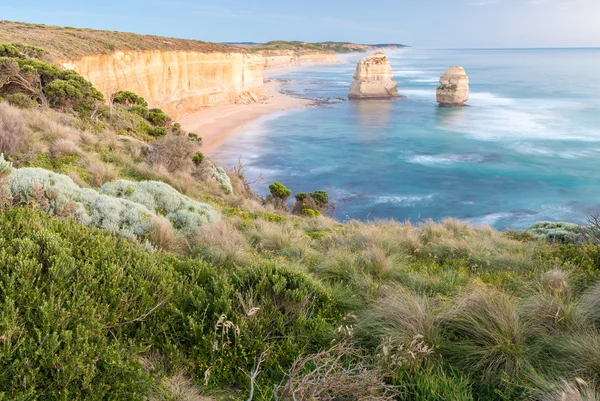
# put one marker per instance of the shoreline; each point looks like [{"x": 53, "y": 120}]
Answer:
[{"x": 219, "y": 123}]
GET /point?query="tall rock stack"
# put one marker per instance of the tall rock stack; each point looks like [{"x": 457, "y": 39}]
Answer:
[
  {"x": 373, "y": 78},
  {"x": 454, "y": 88}
]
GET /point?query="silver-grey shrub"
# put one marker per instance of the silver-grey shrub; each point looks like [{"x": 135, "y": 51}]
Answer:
[
  {"x": 89, "y": 207},
  {"x": 184, "y": 213},
  {"x": 128, "y": 208},
  {"x": 220, "y": 175}
]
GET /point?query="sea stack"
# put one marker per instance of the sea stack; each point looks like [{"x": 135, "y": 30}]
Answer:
[
  {"x": 373, "y": 78},
  {"x": 454, "y": 88}
]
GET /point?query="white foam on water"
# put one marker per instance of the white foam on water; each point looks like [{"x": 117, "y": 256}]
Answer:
[
  {"x": 497, "y": 118},
  {"x": 524, "y": 219},
  {"x": 403, "y": 201},
  {"x": 528, "y": 148},
  {"x": 445, "y": 159},
  {"x": 490, "y": 219},
  {"x": 488, "y": 99}
]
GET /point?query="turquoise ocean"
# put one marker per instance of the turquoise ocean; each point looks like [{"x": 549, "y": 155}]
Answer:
[{"x": 527, "y": 149}]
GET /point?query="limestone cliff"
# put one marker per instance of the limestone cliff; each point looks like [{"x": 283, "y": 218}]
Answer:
[
  {"x": 177, "y": 75},
  {"x": 373, "y": 78},
  {"x": 454, "y": 88},
  {"x": 179, "y": 82},
  {"x": 288, "y": 58}
]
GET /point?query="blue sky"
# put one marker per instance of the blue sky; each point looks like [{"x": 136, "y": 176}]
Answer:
[{"x": 422, "y": 23}]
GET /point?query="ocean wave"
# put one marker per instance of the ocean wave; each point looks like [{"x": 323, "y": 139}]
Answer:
[
  {"x": 525, "y": 218},
  {"x": 447, "y": 159},
  {"x": 403, "y": 201},
  {"x": 537, "y": 150},
  {"x": 490, "y": 219},
  {"x": 489, "y": 99}
]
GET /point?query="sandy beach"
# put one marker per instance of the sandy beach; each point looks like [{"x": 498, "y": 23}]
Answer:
[{"x": 216, "y": 124}]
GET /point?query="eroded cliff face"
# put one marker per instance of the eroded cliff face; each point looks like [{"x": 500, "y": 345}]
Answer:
[
  {"x": 179, "y": 82},
  {"x": 289, "y": 58}
]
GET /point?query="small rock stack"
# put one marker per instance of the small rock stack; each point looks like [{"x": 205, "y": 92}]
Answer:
[
  {"x": 454, "y": 88},
  {"x": 373, "y": 78}
]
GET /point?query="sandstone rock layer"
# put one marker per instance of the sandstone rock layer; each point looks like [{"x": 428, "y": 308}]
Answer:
[
  {"x": 373, "y": 78},
  {"x": 288, "y": 58},
  {"x": 454, "y": 88},
  {"x": 180, "y": 82}
]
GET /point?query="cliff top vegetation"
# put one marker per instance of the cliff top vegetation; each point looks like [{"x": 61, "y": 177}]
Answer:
[
  {"x": 63, "y": 43},
  {"x": 337, "y": 47}
]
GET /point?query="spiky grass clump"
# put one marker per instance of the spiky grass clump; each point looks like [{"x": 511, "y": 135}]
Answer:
[{"x": 484, "y": 336}]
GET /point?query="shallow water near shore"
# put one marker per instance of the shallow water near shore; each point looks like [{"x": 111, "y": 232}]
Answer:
[{"x": 528, "y": 148}]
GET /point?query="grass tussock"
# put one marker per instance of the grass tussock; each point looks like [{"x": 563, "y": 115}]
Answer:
[
  {"x": 14, "y": 132},
  {"x": 485, "y": 336}
]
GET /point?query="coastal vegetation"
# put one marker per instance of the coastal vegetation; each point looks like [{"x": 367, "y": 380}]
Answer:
[
  {"x": 133, "y": 268},
  {"x": 62, "y": 43},
  {"x": 337, "y": 47}
]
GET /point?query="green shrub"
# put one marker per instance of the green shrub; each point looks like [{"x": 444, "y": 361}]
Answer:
[
  {"x": 128, "y": 98},
  {"x": 157, "y": 131},
  {"x": 80, "y": 308},
  {"x": 558, "y": 232},
  {"x": 48, "y": 84},
  {"x": 300, "y": 196},
  {"x": 158, "y": 117},
  {"x": 194, "y": 137},
  {"x": 20, "y": 100},
  {"x": 56, "y": 323},
  {"x": 198, "y": 158},
  {"x": 310, "y": 212},
  {"x": 278, "y": 190},
  {"x": 19, "y": 50},
  {"x": 140, "y": 110},
  {"x": 321, "y": 197}
]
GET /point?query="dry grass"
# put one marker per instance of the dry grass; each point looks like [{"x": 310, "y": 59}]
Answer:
[
  {"x": 399, "y": 318},
  {"x": 63, "y": 147},
  {"x": 173, "y": 153},
  {"x": 579, "y": 390},
  {"x": 163, "y": 237},
  {"x": 100, "y": 173},
  {"x": 327, "y": 376},
  {"x": 590, "y": 304},
  {"x": 277, "y": 236},
  {"x": 224, "y": 243},
  {"x": 178, "y": 387},
  {"x": 485, "y": 336},
  {"x": 14, "y": 132},
  {"x": 69, "y": 43}
]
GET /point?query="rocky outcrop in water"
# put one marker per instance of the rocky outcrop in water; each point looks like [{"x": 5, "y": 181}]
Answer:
[
  {"x": 373, "y": 79},
  {"x": 454, "y": 88}
]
